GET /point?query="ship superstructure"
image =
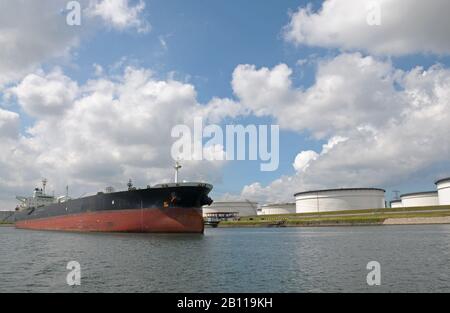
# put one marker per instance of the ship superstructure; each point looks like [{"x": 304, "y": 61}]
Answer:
[{"x": 38, "y": 199}]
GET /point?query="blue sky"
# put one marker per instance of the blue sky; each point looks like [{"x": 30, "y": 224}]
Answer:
[
  {"x": 205, "y": 41},
  {"x": 202, "y": 43}
]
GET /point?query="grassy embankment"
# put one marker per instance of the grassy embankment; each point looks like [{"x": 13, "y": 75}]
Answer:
[{"x": 354, "y": 217}]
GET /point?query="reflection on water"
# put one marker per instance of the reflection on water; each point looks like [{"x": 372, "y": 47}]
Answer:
[{"x": 412, "y": 258}]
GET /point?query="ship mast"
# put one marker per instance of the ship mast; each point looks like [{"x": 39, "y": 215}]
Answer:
[{"x": 177, "y": 168}]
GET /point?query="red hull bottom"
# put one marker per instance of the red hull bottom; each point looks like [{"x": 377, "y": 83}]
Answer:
[{"x": 168, "y": 220}]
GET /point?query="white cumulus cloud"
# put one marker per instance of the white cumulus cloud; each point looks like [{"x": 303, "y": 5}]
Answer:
[
  {"x": 42, "y": 95},
  {"x": 107, "y": 130},
  {"x": 120, "y": 14},
  {"x": 406, "y": 26},
  {"x": 9, "y": 124},
  {"x": 303, "y": 159},
  {"x": 32, "y": 32},
  {"x": 383, "y": 126},
  {"x": 350, "y": 91}
]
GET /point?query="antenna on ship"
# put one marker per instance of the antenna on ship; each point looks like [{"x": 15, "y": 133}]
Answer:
[
  {"x": 177, "y": 168},
  {"x": 44, "y": 184}
]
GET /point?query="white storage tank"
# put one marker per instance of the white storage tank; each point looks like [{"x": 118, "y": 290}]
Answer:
[
  {"x": 443, "y": 187},
  {"x": 330, "y": 200},
  {"x": 238, "y": 208},
  {"x": 278, "y": 208},
  {"x": 425, "y": 198},
  {"x": 396, "y": 204}
]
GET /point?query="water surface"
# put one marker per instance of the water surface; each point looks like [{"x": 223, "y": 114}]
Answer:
[{"x": 412, "y": 258}]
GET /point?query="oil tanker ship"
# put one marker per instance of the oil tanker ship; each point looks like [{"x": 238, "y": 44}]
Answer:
[{"x": 164, "y": 208}]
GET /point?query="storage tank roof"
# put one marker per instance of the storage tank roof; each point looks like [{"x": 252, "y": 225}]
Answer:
[
  {"x": 278, "y": 204},
  {"x": 234, "y": 202},
  {"x": 419, "y": 193},
  {"x": 341, "y": 189},
  {"x": 442, "y": 180}
]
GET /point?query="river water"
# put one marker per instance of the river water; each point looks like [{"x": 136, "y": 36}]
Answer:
[{"x": 412, "y": 259}]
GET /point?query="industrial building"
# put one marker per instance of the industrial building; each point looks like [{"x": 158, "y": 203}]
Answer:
[
  {"x": 278, "y": 208},
  {"x": 443, "y": 187},
  {"x": 330, "y": 200},
  {"x": 339, "y": 200},
  {"x": 226, "y": 210},
  {"x": 416, "y": 199},
  {"x": 426, "y": 198}
]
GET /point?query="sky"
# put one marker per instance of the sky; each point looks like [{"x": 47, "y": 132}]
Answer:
[{"x": 359, "y": 89}]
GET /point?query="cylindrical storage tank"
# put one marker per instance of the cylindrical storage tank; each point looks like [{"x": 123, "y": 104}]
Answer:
[
  {"x": 339, "y": 200},
  {"x": 241, "y": 208},
  {"x": 426, "y": 198},
  {"x": 396, "y": 204},
  {"x": 278, "y": 208},
  {"x": 443, "y": 187}
]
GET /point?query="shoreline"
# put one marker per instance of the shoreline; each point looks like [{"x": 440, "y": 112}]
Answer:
[
  {"x": 387, "y": 222},
  {"x": 376, "y": 217},
  {"x": 304, "y": 225},
  {"x": 418, "y": 221}
]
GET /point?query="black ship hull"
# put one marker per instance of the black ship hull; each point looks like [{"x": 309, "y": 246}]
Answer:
[{"x": 166, "y": 208}]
